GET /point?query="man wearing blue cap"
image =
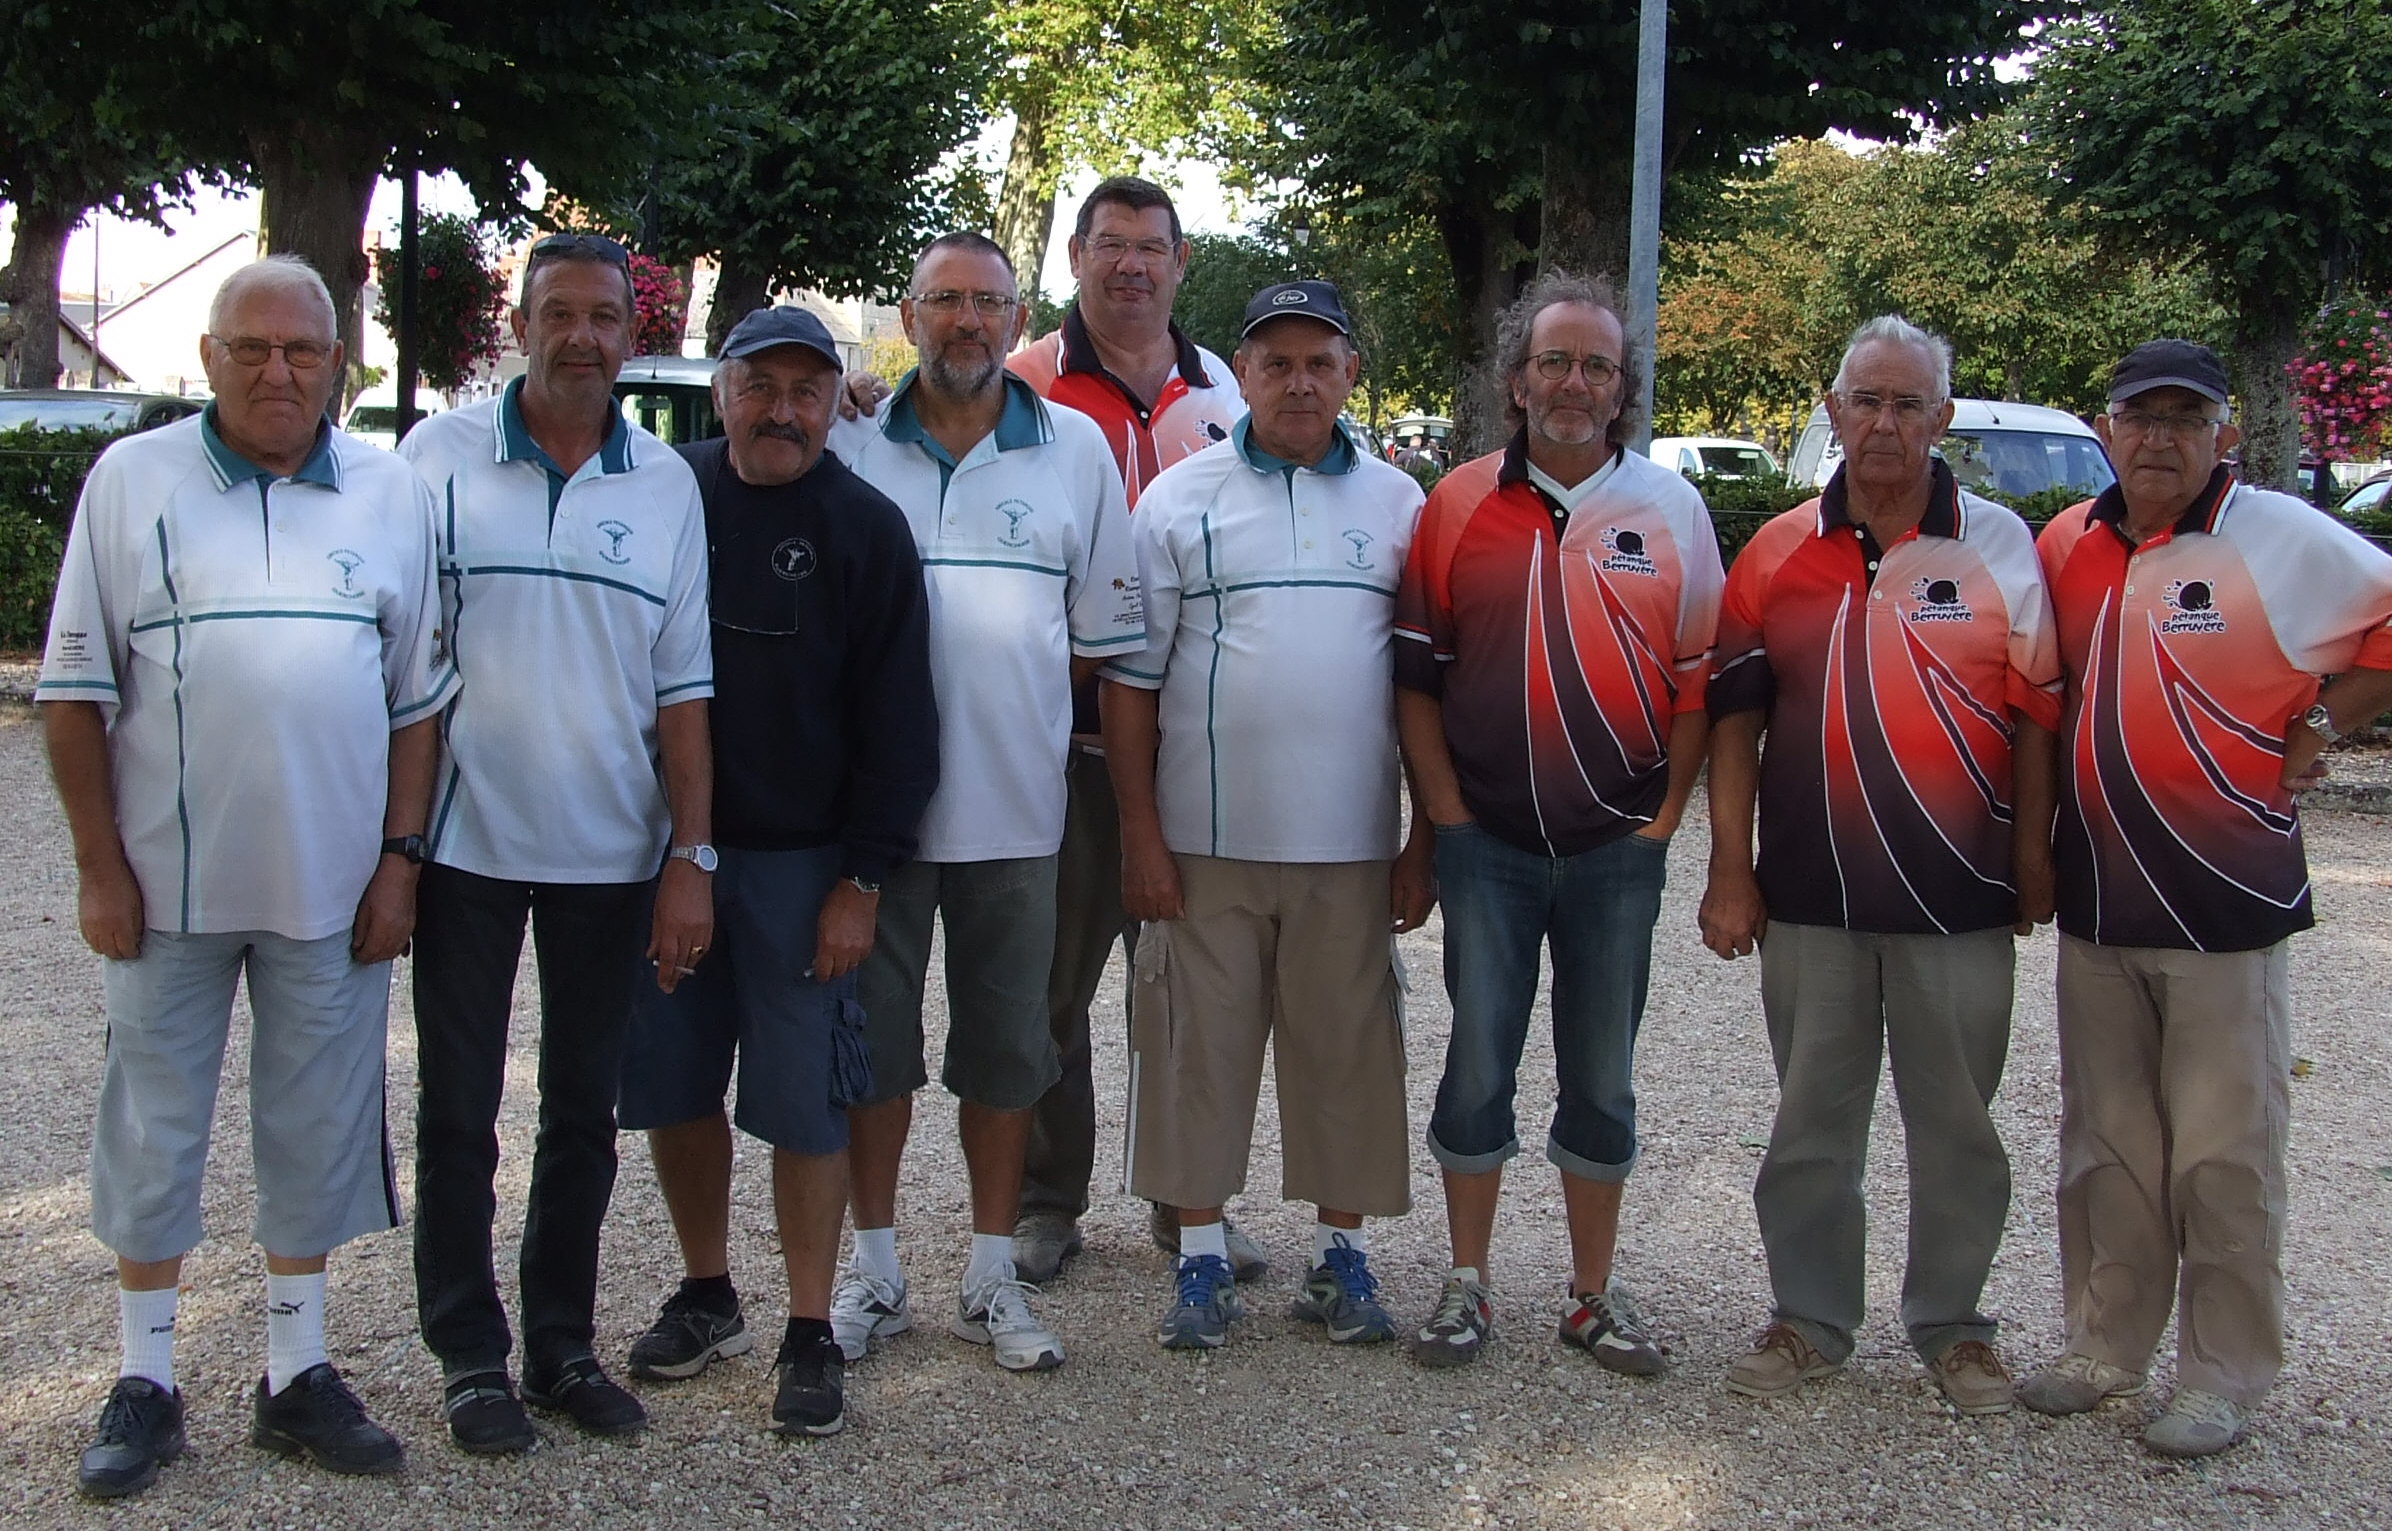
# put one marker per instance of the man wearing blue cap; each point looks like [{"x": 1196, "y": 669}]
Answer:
[{"x": 825, "y": 753}]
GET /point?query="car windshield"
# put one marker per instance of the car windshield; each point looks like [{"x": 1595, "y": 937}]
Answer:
[
  {"x": 1738, "y": 462},
  {"x": 2026, "y": 462},
  {"x": 374, "y": 417},
  {"x": 66, "y": 414}
]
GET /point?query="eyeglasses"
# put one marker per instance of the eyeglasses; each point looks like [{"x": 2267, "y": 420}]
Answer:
[
  {"x": 1553, "y": 366},
  {"x": 298, "y": 355},
  {"x": 597, "y": 246},
  {"x": 1110, "y": 248},
  {"x": 990, "y": 305},
  {"x": 2135, "y": 422},
  {"x": 1908, "y": 408}
]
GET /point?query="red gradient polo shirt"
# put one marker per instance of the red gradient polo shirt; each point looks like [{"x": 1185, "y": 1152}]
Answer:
[{"x": 1198, "y": 404}]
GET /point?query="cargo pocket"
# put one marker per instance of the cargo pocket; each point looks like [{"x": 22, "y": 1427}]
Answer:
[
  {"x": 1150, "y": 1030},
  {"x": 1401, "y": 990},
  {"x": 851, "y": 1058}
]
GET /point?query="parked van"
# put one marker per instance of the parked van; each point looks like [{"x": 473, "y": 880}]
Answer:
[
  {"x": 1719, "y": 456},
  {"x": 1993, "y": 444},
  {"x": 670, "y": 396}
]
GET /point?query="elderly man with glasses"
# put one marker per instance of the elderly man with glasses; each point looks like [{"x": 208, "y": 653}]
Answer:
[
  {"x": 577, "y": 793},
  {"x": 239, "y": 692},
  {"x": 2180, "y": 882},
  {"x": 1893, "y": 641},
  {"x": 1017, "y": 512},
  {"x": 1558, "y": 605}
]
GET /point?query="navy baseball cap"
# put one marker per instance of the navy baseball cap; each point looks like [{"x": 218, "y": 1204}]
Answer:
[
  {"x": 2169, "y": 364},
  {"x": 765, "y": 328},
  {"x": 1297, "y": 300}
]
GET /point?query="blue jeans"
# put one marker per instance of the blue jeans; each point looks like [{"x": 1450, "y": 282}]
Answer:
[{"x": 1596, "y": 910}]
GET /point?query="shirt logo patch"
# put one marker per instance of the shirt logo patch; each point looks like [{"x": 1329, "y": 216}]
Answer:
[
  {"x": 616, "y": 534},
  {"x": 1015, "y": 513},
  {"x": 348, "y": 563},
  {"x": 1361, "y": 541},
  {"x": 793, "y": 560},
  {"x": 1213, "y": 429},
  {"x": 1627, "y": 555},
  {"x": 1938, "y": 600},
  {"x": 2195, "y": 608}
]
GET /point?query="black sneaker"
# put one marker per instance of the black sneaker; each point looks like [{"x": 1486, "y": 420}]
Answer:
[
  {"x": 485, "y": 1417},
  {"x": 689, "y": 1335},
  {"x": 582, "y": 1392},
  {"x": 811, "y": 1397},
  {"x": 318, "y": 1415},
  {"x": 140, "y": 1430}
]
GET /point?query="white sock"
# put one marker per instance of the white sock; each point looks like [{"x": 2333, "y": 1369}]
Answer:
[
  {"x": 1324, "y": 1239},
  {"x": 1203, "y": 1239},
  {"x": 992, "y": 1260},
  {"x": 146, "y": 1322},
  {"x": 1467, "y": 1274},
  {"x": 294, "y": 1327},
  {"x": 876, "y": 1254}
]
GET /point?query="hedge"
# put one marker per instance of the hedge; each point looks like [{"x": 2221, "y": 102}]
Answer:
[
  {"x": 1742, "y": 506},
  {"x": 41, "y": 474}
]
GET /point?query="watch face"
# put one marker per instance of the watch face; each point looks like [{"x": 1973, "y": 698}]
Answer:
[{"x": 706, "y": 858}]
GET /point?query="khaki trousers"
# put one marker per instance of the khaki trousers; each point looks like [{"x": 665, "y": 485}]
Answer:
[
  {"x": 2175, "y": 1099},
  {"x": 1296, "y": 955}
]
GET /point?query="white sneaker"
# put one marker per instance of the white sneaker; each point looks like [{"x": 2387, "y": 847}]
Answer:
[
  {"x": 862, "y": 1306},
  {"x": 997, "y": 1313},
  {"x": 2197, "y": 1424}
]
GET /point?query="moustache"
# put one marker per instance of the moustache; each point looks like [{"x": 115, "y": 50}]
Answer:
[{"x": 795, "y": 435}]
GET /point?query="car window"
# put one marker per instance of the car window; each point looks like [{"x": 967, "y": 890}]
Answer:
[
  {"x": 673, "y": 413},
  {"x": 1810, "y": 453},
  {"x": 66, "y": 414},
  {"x": 1744, "y": 462},
  {"x": 2368, "y": 496},
  {"x": 2025, "y": 462}
]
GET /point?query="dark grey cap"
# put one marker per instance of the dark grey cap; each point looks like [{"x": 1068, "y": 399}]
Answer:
[
  {"x": 2169, "y": 364},
  {"x": 1297, "y": 300},
  {"x": 765, "y": 328}
]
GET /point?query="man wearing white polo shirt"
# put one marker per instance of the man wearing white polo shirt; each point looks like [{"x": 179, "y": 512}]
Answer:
[
  {"x": 1253, "y": 751},
  {"x": 242, "y": 673},
  {"x": 573, "y": 572},
  {"x": 1018, "y": 514}
]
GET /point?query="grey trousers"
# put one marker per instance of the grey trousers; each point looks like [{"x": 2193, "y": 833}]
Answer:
[
  {"x": 1836, "y": 1001},
  {"x": 2175, "y": 1100}
]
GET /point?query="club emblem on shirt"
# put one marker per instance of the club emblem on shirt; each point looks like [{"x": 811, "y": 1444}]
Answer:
[
  {"x": 793, "y": 560},
  {"x": 1625, "y": 552},
  {"x": 1938, "y": 600},
  {"x": 348, "y": 563},
  {"x": 1361, "y": 541},
  {"x": 616, "y": 534},
  {"x": 1015, "y": 513},
  {"x": 2194, "y": 606},
  {"x": 1213, "y": 430}
]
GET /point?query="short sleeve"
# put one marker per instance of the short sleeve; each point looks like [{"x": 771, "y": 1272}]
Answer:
[
  {"x": 1160, "y": 581},
  {"x": 683, "y": 656},
  {"x": 1424, "y": 630},
  {"x": 1107, "y": 616},
  {"x": 1702, "y": 584},
  {"x": 90, "y": 613},
  {"x": 419, "y": 677}
]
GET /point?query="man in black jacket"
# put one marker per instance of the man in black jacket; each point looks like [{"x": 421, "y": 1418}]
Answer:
[{"x": 825, "y": 752}]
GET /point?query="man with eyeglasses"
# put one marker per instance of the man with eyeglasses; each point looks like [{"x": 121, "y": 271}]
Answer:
[
  {"x": 1893, "y": 643},
  {"x": 243, "y": 668},
  {"x": 2197, "y": 616},
  {"x": 573, "y": 572},
  {"x": 1017, "y": 513},
  {"x": 1159, "y": 398},
  {"x": 1557, "y": 614}
]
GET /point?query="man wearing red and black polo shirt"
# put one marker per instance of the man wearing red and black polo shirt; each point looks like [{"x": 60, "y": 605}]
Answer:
[
  {"x": 1893, "y": 640},
  {"x": 1159, "y": 397},
  {"x": 2196, "y": 615}
]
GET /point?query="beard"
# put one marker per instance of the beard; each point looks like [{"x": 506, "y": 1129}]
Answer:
[{"x": 962, "y": 378}]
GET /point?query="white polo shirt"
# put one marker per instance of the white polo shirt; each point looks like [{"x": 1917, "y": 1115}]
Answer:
[
  {"x": 1026, "y": 555},
  {"x": 253, "y": 642},
  {"x": 1270, "y": 601},
  {"x": 576, "y": 607}
]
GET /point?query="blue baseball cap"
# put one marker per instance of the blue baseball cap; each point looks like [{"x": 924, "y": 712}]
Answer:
[
  {"x": 765, "y": 328},
  {"x": 1297, "y": 300}
]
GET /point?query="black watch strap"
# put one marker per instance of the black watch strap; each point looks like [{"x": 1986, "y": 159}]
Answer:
[{"x": 409, "y": 846}]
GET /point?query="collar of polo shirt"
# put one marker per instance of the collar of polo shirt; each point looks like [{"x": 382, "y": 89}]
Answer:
[
  {"x": 2109, "y": 506},
  {"x": 1022, "y": 422},
  {"x": 515, "y": 442},
  {"x": 1943, "y": 517},
  {"x": 1340, "y": 458},
  {"x": 230, "y": 467}
]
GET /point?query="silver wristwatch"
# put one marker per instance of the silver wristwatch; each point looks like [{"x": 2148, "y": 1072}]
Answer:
[
  {"x": 2321, "y": 723},
  {"x": 700, "y": 856}
]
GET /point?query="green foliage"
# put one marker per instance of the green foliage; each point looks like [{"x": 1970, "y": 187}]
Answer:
[
  {"x": 1742, "y": 506},
  {"x": 41, "y": 475},
  {"x": 459, "y": 298}
]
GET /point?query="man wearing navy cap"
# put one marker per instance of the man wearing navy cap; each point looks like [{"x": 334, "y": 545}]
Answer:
[{"x": 825, "y": 753}]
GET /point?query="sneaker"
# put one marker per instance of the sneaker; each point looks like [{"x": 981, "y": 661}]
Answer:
[
  {"x": 997, "y": 1313},
  {"x": 318, "y": 1415},
  {"x": 1607, "y": 1326},
  {"x": 864, "y": 1306},
  {"x": 1780, "y": 1361},
  {"x": 1042, "y": 1241},
  {"x": 1972, "y": 1378},
  {"x": 1462, "y": 1323},
  {"x": 2197, "y": 1424},
  {"x": 583, "y": 1392},
  {"x": 2075, "y": 1383},
  {"x": 1205, "y": 1300},
  {"x": 810, "y": 1395},
  {"x": 140, "y": 1431},
  {"x": 1342, "y": 1294},
  {"x": 1247, "y": 1262},
  {"x": 485, "y": 1417},
  {"x": 689, "y": 1335}
]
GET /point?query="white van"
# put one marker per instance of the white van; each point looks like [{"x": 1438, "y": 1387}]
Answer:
[
  {"x": 1719, "y": 456},
  {"x": 2012, "y": 449}
]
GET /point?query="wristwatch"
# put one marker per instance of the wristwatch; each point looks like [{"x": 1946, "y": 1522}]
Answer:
[
  {"x": 411, "y": 847},
  {"x": 861, "y": 886},
  {"x": 700, "y": 856},
  {"x": 2321, "y": 723}
]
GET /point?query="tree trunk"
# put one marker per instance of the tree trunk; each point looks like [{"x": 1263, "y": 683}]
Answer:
[
  {"x": 29, "y": 284},
  {"x": 1026, "y": 200},
  {"x": 738, "y": 291},
  {"x": 318, "y": 182},
  {"x": 1586, "y": 195},
  {"x": 2266, "y": 333},
  {"x": 1488, "y": 248}
]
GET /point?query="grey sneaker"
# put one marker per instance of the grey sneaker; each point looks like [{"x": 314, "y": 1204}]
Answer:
[
  {"x": 2075, "y": 1383},
  {"x": 1042, "y": 1241},
  {"x": 998, "y": 1314},
  {"x": 1780, "y": 1361},
  {"x": 1973, "y": 1379},
  {"x": 863, "y": 1308},
  {"x": 1607, "y": 1326},
  {"x": 1463, "y": 1322},
  {"x": 1204, "y": 1302},
  {"x": 2197, "y": 1424},
  {"x": 1247, "y": 1262},
  {"x": 1343, "y": 1296}
]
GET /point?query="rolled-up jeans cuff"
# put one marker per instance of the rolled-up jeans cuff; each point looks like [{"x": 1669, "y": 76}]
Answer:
[
  {"x": 1471, "y": 1164},
  {"x": 1589, "y": 1169}
]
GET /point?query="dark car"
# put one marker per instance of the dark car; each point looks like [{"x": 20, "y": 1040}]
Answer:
[{"x": 91, "y": 409}]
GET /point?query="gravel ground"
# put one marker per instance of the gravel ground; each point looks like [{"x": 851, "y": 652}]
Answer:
[{"x": 1280, "y": 1428}]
